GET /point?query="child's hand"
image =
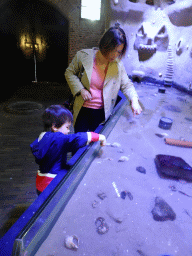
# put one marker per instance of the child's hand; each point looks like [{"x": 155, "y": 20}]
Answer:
[{"x": 102, "y": 140}]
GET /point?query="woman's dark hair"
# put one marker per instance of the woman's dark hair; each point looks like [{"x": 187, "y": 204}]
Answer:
[
  {"x": 56, "y": 115},
  {"x": 112, "y": 38}
]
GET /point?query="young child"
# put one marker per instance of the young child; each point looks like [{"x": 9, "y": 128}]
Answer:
[{"x": 50, "y": 149}]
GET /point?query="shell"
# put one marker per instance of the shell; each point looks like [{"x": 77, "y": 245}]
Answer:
[
  {"x": 72, "y": 242},
  {"x": 101, "y": 226},
  {"x": 102, "y": 195},
  {"x": 123, "y": 159},
  {"x": 116, "y": 145}
]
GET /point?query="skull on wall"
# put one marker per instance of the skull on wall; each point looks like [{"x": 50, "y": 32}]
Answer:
[{"x": 149, "y": 40}]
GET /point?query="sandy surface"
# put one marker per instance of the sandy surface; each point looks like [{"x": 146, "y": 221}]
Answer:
[{"x": 137, "y": 233}]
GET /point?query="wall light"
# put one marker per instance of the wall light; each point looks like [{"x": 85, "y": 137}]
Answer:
[{"x": 33, "y": 47}]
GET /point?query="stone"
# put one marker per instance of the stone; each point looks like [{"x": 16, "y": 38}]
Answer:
[
  {"x": 123, "y": 159},
  {"x": 102, "y": 195},
  {"x": 138, "y": 74},
  {"x": 141, "y": 169},
  {"x": 126, "y": 193},
  {"x": 123, "y": 194},
  {"x": 162, "y": 211},
  {"x": 130, "y": 195},
  {"x": 173, "y": 167}
]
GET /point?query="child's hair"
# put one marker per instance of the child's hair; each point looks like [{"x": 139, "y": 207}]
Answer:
[{"x": 56, "y": 115}]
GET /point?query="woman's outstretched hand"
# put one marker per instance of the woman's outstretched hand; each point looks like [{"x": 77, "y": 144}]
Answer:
[
  {"x": 136, "y": 108},
  {"x": 86, "y": 95}
]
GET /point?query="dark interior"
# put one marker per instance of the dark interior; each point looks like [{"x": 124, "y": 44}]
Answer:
[{"x": 42, "y": 31}]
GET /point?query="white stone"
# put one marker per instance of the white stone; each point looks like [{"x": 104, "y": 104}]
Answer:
[
  {"x": 123, "y": 159},
  {"x": 137, "y": 73}
]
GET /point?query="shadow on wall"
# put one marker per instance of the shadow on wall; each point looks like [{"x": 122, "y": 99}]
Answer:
[
  {"x": 132, "y": 16},
  {"x": 178, "y": 15},
  {"x": 156, "y": 3},
  {"x": 33, "y": 32}
]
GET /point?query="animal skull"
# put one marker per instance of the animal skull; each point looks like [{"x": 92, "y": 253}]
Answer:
[{"x": 149, "y": 39}]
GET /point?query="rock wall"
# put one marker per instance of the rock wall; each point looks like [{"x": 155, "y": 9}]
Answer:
[{"x": 159, "y": 34}]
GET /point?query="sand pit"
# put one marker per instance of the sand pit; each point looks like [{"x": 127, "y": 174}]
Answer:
[{"x": 131, "y": 228}]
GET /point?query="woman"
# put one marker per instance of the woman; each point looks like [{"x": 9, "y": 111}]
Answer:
[{"x": 95, "y": 77}]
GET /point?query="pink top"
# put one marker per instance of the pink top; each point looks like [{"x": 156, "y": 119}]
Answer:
[{"x": 96, "y": 87}]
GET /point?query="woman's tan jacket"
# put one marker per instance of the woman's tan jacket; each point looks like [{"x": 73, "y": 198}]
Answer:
[{"x": 78, "y": 76}]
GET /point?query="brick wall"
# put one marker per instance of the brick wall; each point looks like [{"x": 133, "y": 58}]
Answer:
[{"x": 82, "y": 33}]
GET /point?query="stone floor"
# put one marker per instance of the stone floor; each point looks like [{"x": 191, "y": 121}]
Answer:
[{"x": 17, "y": 131}]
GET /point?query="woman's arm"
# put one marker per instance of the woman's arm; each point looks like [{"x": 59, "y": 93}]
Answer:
[{"x": 129, "y": 91}]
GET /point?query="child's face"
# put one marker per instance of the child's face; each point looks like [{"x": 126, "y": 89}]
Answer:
[{"x": 65, "y": 128}]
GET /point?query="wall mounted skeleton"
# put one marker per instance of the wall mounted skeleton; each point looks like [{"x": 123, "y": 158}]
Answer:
[{"x": 149, "y": 40}]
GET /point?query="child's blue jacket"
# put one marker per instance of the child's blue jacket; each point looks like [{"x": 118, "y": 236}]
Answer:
[{"x": 51, "y": 151}]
